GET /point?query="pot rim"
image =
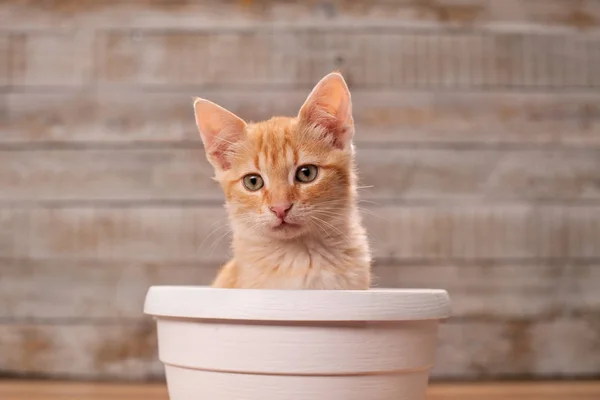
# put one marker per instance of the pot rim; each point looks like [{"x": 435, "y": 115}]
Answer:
[{"x": 377, "y": 304}]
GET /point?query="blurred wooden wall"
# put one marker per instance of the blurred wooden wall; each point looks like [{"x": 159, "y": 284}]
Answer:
[{"x": 478, "y": 130}]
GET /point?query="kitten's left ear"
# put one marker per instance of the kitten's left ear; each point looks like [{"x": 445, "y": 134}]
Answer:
[{"x": 329, "y": 107}]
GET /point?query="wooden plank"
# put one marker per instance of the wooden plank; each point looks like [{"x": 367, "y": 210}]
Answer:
[
  {"x": 533, "y": 390},
  {"x": 205, "y": 58},
  {"x": 50, "y": 290},
  {"x": 183, "y": 174},
  {"x": 47, "y": 290},
  {"x": 162, "y": 233},
  {"x": 127, "y": 233},
  {"x": 121, "y": 174},
  {"x": 51, "y": 59},
  {"x": 503, "y": 290},
  {"x": 582, "y": 15},
  {"x": 91, "y": 116},
  {"x": 483, "y": 232},
  {"x": 64, "y": 390},
  {"x": 561, "y": 347},
  {"x": 298, "y": 58},
  {"x": 467, "y": 349},
  {"x": 526, "y": 14},
  {"x": 116, "y": 351},
  {"x": 381, "y": 116}
]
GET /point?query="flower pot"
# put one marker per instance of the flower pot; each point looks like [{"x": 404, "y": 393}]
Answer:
[{"x": 237, "y": 344}]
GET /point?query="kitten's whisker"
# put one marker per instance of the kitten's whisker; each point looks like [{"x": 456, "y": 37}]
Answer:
[
  {"x": 310, "y": 226},
  {"x": 334, "y": 201},
  {"x": 367, "y": 211},
  {"x": 342, "y": 211},
  {"x": 317, "y": 220},
  {"x": 345, "y": 210},
  {"x": 213, "y": 231},
  {"x": 216, "y": 242},
  {"x": 331, "y": 213},
  {"x": 368, "y": 201},
  {"x": 333, "y": 227},
  {"x": 360, "y": 209}
]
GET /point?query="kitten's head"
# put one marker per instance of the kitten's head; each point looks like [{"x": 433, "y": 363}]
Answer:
[{"x": 285, "y": 177}]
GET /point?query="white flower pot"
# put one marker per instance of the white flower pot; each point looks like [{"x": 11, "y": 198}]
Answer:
[{"x": 235, "y": 344}]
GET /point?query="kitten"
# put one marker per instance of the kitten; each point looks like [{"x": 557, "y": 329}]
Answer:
[{"x": 290, "y": 189}]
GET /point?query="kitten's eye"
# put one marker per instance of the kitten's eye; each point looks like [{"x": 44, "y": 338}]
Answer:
[
  {"x": 306, "y": 173},
  {"x": 253, "y": 182}
]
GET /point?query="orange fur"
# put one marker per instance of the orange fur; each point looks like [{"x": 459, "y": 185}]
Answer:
[{"x": 322, "y": 244}]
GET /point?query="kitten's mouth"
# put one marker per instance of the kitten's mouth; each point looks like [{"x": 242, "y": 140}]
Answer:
[{"x": 285, "y": 225}]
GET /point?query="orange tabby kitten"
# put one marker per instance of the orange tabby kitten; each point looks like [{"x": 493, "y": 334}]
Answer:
[{"x": 290, "y": 190}]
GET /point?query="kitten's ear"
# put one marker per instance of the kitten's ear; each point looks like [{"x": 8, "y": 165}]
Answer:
[
  {"x": 329, "y": 106},
  {"x": 219, "y": 129}
]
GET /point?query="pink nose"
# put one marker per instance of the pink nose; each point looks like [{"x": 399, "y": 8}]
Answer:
[{"x": 281, "y": 209}]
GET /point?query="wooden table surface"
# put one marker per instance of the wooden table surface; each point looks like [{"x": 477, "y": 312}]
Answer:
[{"x": 32, "y": 390}]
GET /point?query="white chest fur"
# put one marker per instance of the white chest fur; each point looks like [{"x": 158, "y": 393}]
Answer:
[{"x": 309, "y": 263}]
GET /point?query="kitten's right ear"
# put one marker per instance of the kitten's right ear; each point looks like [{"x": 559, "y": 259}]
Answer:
[
  {"x": 329, "y": 107},
  {"x": 219, "y": 129}
]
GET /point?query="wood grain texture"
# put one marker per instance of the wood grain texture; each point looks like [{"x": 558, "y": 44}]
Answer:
[
  {"x": 112, "y": 290},
  {"x": 122, "y": 351},
  {"x": 519, "y": 348},
  {"x": 552, "y": 390},
  {"x": 428, "y": 59},
  {"x": 530, "y": 14},
  {"x": 63, "y": 290},
  {"x": 4, "y": 60},
  {"x": 478, "y": 126},
  {"x": 56, "y": 59},
  {"x": 292, "y": 58},
  {"x": 467, "y": 349},
  {"x": 199, "y": 234},
  {"x": 421, "y": 117},
  {"x": 387, "y": 174},
  {"x": 60, "y": 390}
]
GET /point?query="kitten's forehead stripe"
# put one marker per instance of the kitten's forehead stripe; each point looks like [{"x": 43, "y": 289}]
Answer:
[
  {"x": 259, "y": 143},
  {"x": 262, "y": 162},
  {"x": 265, "y": 152},
  {"x": 256, "y": 161},
  {"x": 281, "y": 144},
  {"x": 289, "y": 156}
]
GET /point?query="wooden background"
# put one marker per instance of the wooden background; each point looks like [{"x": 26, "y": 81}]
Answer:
[{"x": 478, "y": 128}]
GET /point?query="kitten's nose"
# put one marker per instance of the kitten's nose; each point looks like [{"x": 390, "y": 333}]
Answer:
[{"x": 281, "y": 209}]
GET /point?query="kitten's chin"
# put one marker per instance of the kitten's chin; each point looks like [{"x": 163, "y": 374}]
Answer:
[{"x": 286, "y": 231}]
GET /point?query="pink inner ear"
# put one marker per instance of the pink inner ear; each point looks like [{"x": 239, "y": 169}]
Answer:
[
  {"x": 220, "y": 148},
  {"x": 219, "y": 129},
  {"x": 329, "y": 106}
]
